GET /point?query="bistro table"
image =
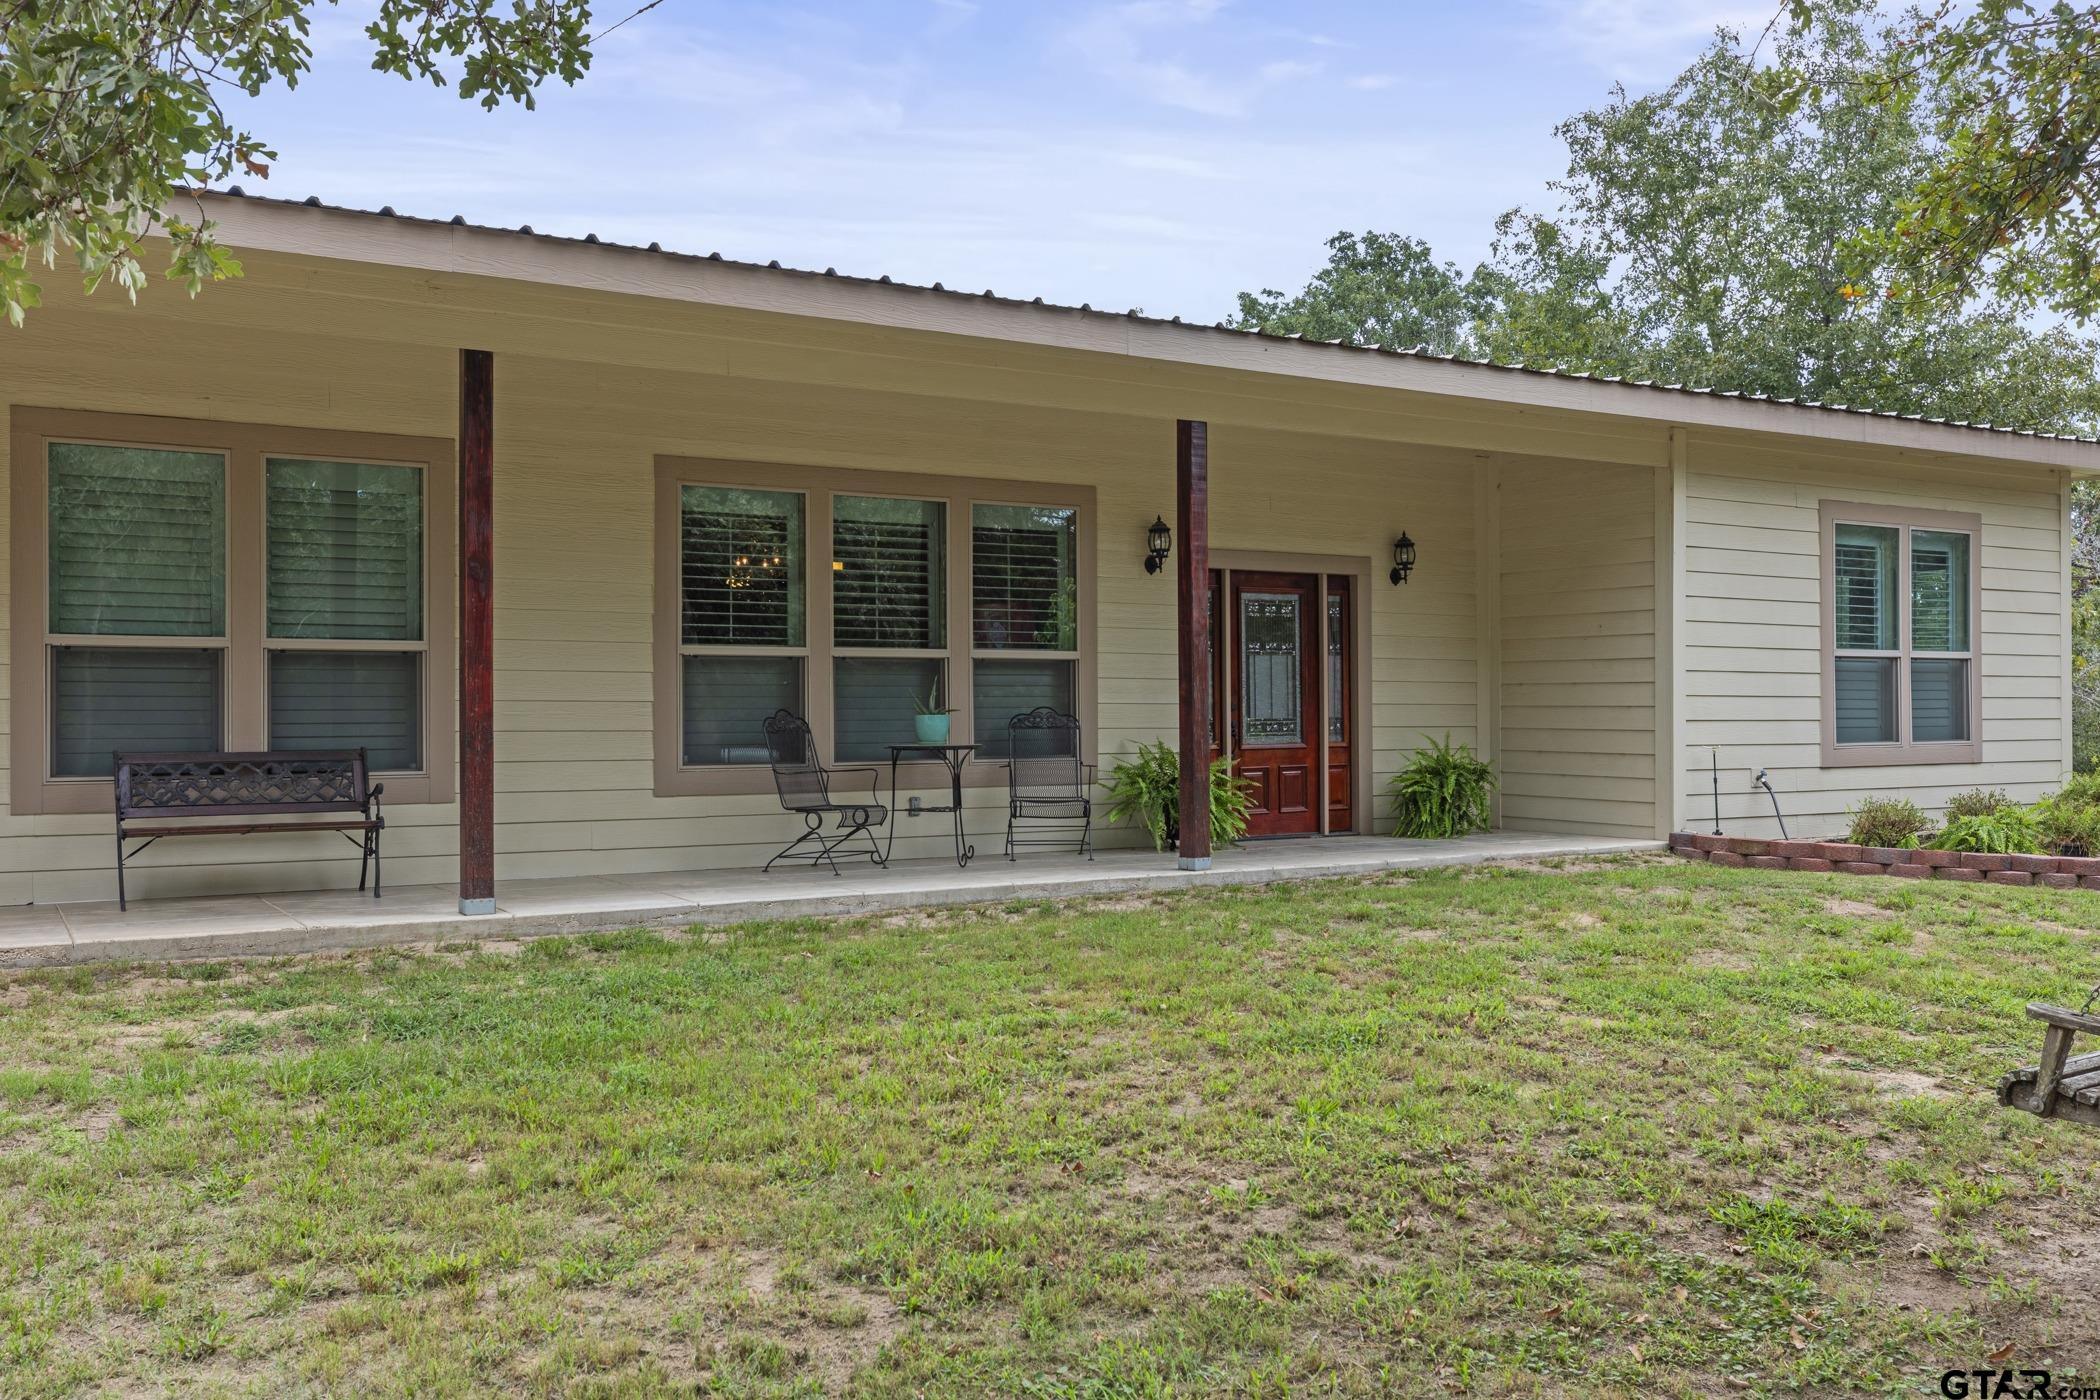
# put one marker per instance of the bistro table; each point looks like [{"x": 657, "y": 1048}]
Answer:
[{"x": 953, "y": 756}]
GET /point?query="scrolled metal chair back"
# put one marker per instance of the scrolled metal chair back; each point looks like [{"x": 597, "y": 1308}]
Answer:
[
  {"x": 1043, "y": 746},
  {"x": 792, "y": 752}
]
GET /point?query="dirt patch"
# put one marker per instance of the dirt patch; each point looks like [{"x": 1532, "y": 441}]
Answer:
[
  {"x": 1855, "y": 909},
  {"x": 1719, "y": 960}
]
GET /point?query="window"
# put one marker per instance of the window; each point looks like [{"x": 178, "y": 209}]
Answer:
[
  {"x": 220, "y": 586},
  {"x": 344, "y": 587},
  {"x": 1024, "y": 615},
  {"x": 889, "y": 621},
  {"x": 935, "y": 593},
  {"x": 1901, "y": 681},
  {"x": 743, "y": 618},
  {"x": 137, "y": 560}
]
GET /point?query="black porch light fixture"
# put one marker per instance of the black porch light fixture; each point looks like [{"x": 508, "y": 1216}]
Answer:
[
  {"x": 1403, "y": 558},
  {"x": 1159, "y": 541}
]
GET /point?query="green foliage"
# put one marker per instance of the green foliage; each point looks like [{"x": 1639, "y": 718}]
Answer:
[
  {"x": 2011, "y": 199},
  {"x": 1886, "y": 821},
  {"x": 2068, "y": 827},
  {"x": 109, "y": 110},
  {"x": 1145, "y": 790},
  {"x": 2008, "y": 831},
  {"x": 1444, "y": 790},
  {"x": 1701, "y": 238},
  {"x": 1977, "y": 802}
]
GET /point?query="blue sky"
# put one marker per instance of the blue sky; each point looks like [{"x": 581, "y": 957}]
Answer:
[{"x": 1155, "y": 153}]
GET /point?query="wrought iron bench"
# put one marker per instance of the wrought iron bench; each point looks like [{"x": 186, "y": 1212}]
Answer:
[
  {"x": 191, "y": 788},
  {"x": 804, "y": 786}
]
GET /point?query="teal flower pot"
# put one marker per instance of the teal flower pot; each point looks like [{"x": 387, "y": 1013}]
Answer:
[{"x": 933, "y": 729}]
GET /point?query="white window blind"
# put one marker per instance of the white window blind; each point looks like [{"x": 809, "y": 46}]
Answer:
[
  {"x": 137, "y": 541},
  {"x": 371, "y": 700},
  {"x": 889, "y": 576},
  {"x": 110, "y": 700},
  {"x": 1024, "y": 578},
  {"x": 741, "y": 574},
  {"x": 344, "y": 563},
  {"x": 345, "y": 551}
]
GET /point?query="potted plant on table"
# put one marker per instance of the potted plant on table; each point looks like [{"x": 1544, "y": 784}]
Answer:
[{"x": 931, "y": 723}]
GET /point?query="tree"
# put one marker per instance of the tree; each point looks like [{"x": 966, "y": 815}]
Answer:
[
  {"x": 1704, "y": 236},
  {"x": 1377, "y": 289},
  {"x": 2010, "y": 199},
  {"x": 111, "y": 108}
]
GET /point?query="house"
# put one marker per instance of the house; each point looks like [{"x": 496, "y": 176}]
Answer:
[{"x": 720, "y": 489}]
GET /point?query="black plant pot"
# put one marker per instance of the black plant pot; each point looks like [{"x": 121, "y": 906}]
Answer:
[{"x": 1173, "y": 826}]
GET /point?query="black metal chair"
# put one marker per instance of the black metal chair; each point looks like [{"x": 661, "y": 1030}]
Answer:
[
  {"x": 805, "y": 789},
  {"x": 1046, "y": 781}
]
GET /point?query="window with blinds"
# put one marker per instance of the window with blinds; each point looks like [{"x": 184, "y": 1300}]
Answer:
[
  {"x": 1024, "y": 578},
  {"x": 741, "y": 574},
  {"x": 742, "y": 581},
  {"x": 888, "y": 573},
  {"x": 1939, "y": 636},
  {"x": 1901, "y": 631},
  {"x": 137, "y": 549},
  {"x": 1866, "y": 603},
  {"x": 343, "y": 563},
  {"x": 1024, "y": 601}
]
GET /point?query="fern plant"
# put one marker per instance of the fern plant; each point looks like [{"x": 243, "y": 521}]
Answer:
[
  {"x": 1445, "y": 790},
  {"x": 2007, "y": 831},
  {"x": 1145, "y": 790}
]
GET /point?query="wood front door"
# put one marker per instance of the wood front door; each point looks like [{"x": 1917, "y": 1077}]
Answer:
[{"x": 1279, "y": 641}]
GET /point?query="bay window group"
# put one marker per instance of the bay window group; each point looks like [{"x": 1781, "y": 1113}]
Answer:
[
  {"x": 859, "y": 600},
  {"x": 187, "y": 586}
]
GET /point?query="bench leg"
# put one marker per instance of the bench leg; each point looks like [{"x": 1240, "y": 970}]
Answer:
[
  {"x": 2056, "y": 1048},
  {"x": 375, "y": 864},
  {"x": 120, "y": 872}
]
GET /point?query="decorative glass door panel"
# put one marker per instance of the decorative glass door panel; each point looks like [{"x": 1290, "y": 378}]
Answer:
[{"x": 1272, "y": 627}]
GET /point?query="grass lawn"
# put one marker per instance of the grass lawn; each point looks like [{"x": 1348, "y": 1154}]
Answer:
[{"x": 1630, "y": 1125}]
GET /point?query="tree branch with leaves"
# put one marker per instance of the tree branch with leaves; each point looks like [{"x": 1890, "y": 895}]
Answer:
[{"x": 110, "y": 110}]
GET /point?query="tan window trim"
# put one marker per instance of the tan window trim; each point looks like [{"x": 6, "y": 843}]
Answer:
[
  {"x": 1899, "y": 754},
  {"x": 245, "y": 446},
  {"x": 674, "y": 778}
]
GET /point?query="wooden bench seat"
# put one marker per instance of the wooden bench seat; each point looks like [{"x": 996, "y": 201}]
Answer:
[
  {"x": 2061, "y": 1085},
  {"x": 158, "y": 795}
]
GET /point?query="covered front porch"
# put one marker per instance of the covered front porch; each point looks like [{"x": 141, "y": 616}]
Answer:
[{"x": 269, "y": 925}]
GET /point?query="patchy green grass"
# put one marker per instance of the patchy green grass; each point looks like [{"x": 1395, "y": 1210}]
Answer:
[{"x": 1633, "y": 1126}]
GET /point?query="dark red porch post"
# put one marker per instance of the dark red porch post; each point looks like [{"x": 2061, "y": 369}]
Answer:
[
  {"x": 1192, "y": 613},
  {"x": 477, "y": 633}
]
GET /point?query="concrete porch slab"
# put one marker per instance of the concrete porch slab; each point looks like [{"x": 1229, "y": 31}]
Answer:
[{"x": 272, "y": 925}]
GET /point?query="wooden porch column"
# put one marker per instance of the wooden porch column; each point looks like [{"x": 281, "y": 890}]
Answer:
[
  {"x": 477, "y": 633},
  {"x": 1192, "y": 615}
]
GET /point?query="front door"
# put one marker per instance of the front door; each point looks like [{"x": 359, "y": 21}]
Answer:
[{"x": 1278, "y": 641}]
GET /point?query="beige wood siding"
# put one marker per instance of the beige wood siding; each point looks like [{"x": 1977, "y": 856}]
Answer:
[
  {"x": 576, "y": 443},
  {"x": 1751, "y": 620},
  {"x": 1578, "y": 634}
]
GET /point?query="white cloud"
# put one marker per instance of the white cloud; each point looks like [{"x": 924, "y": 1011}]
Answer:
[
  {"x": 1123, "y": 43},
  {"x": 1644, "y": 40}
]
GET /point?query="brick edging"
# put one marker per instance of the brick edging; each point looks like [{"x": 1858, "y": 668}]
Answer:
[{"x": 2056, "y": 872}]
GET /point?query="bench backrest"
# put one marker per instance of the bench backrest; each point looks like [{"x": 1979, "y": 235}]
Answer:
[{"x": 241, "y": 784}]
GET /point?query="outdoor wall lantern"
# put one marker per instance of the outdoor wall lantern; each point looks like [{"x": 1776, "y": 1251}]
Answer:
[
  {"x": 1403, "y": 558},
  {"x": 1159, "y": 541}
]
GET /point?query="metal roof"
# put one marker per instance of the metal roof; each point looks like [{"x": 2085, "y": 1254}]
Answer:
[{"x": 1419, "y": 352}]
